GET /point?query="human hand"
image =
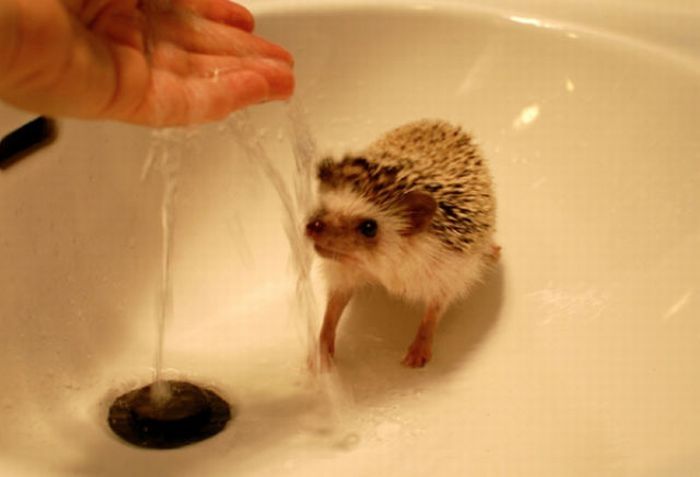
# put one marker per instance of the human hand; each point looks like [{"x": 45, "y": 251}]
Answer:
[{"x": 150, "y": 62}]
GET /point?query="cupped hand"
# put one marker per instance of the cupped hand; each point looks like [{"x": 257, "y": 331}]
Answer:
[{"x": 151, "y": 62}]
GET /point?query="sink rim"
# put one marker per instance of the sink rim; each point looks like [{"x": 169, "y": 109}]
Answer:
[{"x": 521, "y": 16}]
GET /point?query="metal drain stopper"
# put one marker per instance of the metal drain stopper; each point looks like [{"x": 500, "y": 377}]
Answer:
[{"x": 190, "y": 415}]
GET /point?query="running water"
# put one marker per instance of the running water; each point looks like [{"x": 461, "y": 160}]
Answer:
[
  {"x": 297, "y": 200},
  {"x": 165, "y": 155}
]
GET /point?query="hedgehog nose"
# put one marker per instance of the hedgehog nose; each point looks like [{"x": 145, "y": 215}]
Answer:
[{"x": 315, "y": 228}]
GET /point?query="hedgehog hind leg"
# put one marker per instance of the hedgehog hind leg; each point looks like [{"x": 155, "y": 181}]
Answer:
[{"x": 494, "y": 253}]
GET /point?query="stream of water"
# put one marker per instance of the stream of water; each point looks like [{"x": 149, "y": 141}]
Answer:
[
  {"x": 296, "y": 197},
  {"x": 165, "y": 156}
]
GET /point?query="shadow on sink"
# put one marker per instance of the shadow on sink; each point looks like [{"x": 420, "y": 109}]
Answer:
[{"x": 378, "y": 329}]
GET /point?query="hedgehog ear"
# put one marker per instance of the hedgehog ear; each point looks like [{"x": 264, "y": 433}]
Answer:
[
  {"x": 326, "y": 171},
  {"x": 420, "y": 209}
]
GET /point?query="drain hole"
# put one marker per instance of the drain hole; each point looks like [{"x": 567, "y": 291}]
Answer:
[
  {"x": 191, "y": 414},
  {"x": 26, "y": 139}
]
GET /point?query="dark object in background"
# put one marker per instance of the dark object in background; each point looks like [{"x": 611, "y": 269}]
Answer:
[
  {"x": 191, "y": 415},
  {"x": 26, "y": 139}
]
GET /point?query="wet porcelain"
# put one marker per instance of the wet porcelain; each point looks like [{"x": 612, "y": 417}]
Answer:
[{"x": 578, "y": 355}]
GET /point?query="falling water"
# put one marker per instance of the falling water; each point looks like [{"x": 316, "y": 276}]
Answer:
[
  {"x": 297, "y": 200},
  {"x": 167, "y": 413},
  {"x": 305, "y": 154},
  {"x": 164, "y": 155},
  {"x": 304, "y": 148}
]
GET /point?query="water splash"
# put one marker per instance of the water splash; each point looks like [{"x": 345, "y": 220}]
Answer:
[{"x": 580, "y": 303}]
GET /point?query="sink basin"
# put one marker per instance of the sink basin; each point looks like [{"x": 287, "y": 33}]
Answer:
[{"x": 577, "y": 356}]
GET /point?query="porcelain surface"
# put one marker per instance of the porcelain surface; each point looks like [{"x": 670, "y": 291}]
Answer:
[{"x": 577, "y": 356}]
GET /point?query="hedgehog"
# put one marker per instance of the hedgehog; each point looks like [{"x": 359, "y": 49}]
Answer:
[{"x": 415, "y": 213}]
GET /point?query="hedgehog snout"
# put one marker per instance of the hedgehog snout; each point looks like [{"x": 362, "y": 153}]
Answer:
[{"x": 315, "y": 228}]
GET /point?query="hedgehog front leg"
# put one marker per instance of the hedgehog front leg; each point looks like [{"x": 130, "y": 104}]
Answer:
[
  {"x": 421, "y": 350},
  {"x": 337, "y": 301}
]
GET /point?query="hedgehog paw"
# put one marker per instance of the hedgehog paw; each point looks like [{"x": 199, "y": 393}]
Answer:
[
  {"x": 319, "y": 363},
  {"x": 321, "y": 360},
  {"x": 418, "y": 355},
  {"x": 495, "y": 253}
]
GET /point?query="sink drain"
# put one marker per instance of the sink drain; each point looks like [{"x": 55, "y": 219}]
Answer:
[{"x": 190, "y": 415}]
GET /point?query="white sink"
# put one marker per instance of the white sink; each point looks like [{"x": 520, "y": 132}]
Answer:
[{"x": 577, "y": 357}]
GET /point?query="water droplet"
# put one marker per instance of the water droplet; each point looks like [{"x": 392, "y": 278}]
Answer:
[{"x": 348, "y": 442}]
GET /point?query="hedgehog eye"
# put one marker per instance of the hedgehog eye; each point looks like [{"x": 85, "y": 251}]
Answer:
[{"x": 368, "y": 228}]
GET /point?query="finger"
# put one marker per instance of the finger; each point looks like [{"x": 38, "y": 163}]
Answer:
[
  {"x": 279, "y": 76},
  {"x": 185, "y": 64},
  {"x": 204, "y": 100},
  {"x": 220, "y": 11},
  {"x": 203, "y": 36},
  {"x": 122, "y": 28},
  {"x": 177, "y": 101}
]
